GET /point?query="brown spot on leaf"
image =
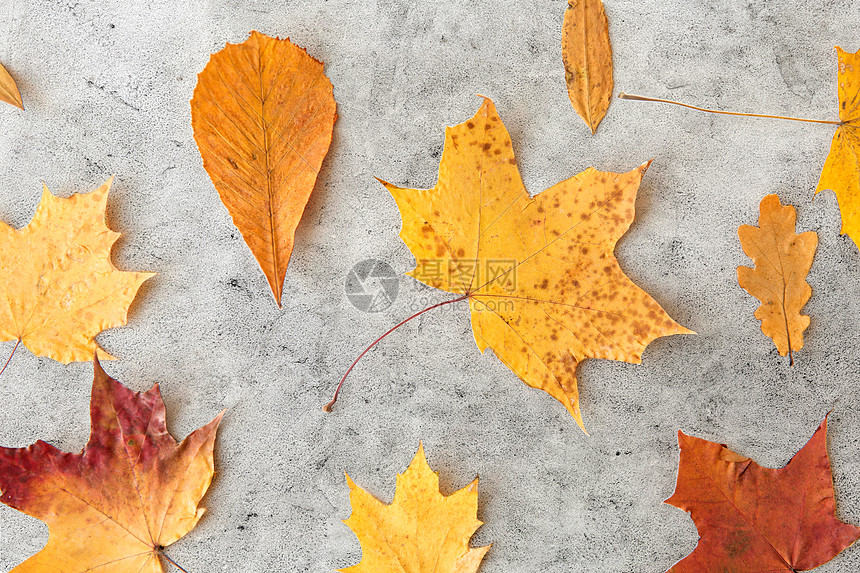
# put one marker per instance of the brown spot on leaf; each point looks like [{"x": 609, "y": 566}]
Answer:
[{"x": 531, "y": 231}]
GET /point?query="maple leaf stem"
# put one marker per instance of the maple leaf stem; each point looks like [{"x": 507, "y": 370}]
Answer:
[
  {"x": 174, "y": 563},
  {"x": 623, "y": 95},
  {"x": 330, "y": 405},
  {"x": 8, "y": 360}
]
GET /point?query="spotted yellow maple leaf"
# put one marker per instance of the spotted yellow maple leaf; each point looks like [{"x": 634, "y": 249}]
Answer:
[
  {"x": 9, "y": 89},
  {"x": 587, "y": 55},
  {"x": 545, "y": 290},
  {"x": 841, "y": 171},
  {"x": 421, "y": 531},
  {"x": 58, "y": 286}
]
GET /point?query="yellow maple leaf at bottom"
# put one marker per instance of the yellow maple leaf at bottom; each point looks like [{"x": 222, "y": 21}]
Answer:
[
  {"x": 58, "y": 286},
  {"x": 421, "y": 531},
  {"x": 841, "y": 171},
  {"x": 544, "y": 287}
]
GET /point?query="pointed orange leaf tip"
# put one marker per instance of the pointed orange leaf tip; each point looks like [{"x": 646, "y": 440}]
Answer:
[
  {"x": 59, "y": 287},
  {"x": 544, "y": 287},
  {"x": 782, "y": 261},
  {"x": 421, "y": 531},
  {"x": 587, "y": 56},
  {"x": 841, "y": 171},
  {"x": 263, "y": 113},
  {"x": 9, "y": 89},
  {"x": 132, "y": 491},
  {"x": 752, "y": 518}
]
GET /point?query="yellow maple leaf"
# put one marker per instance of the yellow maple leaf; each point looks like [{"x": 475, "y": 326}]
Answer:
[
  {"x": 587, "y": 56},
  {"x": 782, "y": 261},
  {"x": 545, "y": 290},
  {"x": 421, "y": 531},
  {"x": 59, "y": 288},
  {"x": 841, "y": 171}
]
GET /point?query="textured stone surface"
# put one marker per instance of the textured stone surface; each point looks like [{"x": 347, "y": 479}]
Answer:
[{"x": 107, "y": 85}]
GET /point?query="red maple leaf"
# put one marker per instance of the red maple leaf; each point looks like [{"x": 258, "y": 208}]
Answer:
[
  {"x": 131, "y": 492},
  {"x": 755, "y": 519}
]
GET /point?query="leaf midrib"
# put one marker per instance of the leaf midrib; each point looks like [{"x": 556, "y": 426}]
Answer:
[{"x": 271, "y": 204}]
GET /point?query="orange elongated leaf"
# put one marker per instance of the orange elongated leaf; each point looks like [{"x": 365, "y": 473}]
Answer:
[
  {"x": 587, "y": 56},
  {"x": 9, "y": 89},
  {"x": 544, "y": 288},
  {"x": 782, "y": 261},
  {"x": 421, "y": 531},
  {"x": 131, "y": 492},
  {"x": 757, "y": 519},
  {"x": 58, "y": 286},
  {"x": 841, "y": 171},
  {"x": 263, "y": 113}
]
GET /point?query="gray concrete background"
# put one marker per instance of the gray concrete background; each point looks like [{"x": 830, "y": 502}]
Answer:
[{"x": 107, "y": 85}]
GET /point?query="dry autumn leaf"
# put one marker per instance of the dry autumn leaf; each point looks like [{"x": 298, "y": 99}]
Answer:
[
  {"x": 782, "y": 261},
  {"x": 752, "y": 518},
  {"x": 841, "y": 171},
  {"x": 9, "y": 89},
  {"x": 421, "y": 531},
  {"x": 116, "y": 505},
  {"x": 263, "y": 114},
  {"x": 59, "y": 285},
  {"x": 545, "y": 290},
  {"x": 587, "y": 56}
]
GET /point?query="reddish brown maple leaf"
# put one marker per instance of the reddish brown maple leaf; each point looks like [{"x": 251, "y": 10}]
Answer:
[{"x": 755, "y": 519}]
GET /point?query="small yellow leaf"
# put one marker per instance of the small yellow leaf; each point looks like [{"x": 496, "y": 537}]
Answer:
[
  {"x": 421, "y": 531},
  {"x": 9, "y": 89},
  {"x": 782, "y": 261},
  {"x": 58, "y": 285},
  {"x": 587, "y": 56}
]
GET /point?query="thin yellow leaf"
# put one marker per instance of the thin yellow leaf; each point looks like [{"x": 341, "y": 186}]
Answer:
[
  {"x": 587, "y": 56},
  {"x": 9, "y": 89}
]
